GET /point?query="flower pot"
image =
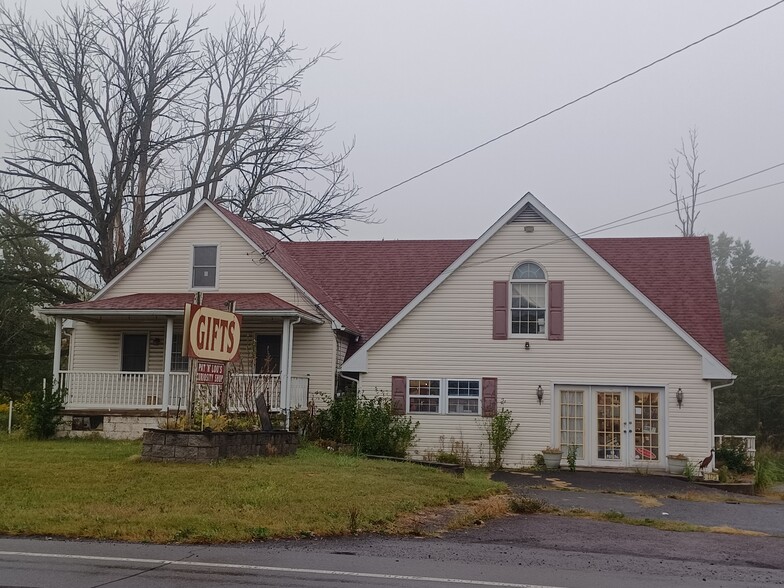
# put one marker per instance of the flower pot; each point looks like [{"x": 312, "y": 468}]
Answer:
[
  {"x": 552, "y": 460},
  {"x": 676, "y": 465}
]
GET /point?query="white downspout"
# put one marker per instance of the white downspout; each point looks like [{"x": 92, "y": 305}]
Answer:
[
  {"x": 713, "y": 411},
  {"x": 289, "y": 355}
]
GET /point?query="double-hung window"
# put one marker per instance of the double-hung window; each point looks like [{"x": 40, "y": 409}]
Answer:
[
  {"x": 528, "y": 300},
  {"x": 205, "y": 266},
  {"x": 444, "y": 396}
]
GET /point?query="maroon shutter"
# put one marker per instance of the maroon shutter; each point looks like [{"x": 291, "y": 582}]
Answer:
[
  {"x": 500, "y": 309},
  {"x": 398, "y": 395},
  {"x": 556, "y": 311},
  {"x": 489, "y": 397}
]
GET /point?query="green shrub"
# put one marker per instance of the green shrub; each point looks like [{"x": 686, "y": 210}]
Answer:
[
  {"x": 732, "y": 453},
  {"x": 768, "y": 469},
  {"x": 571, "y": 458},
  {"x": 499, "y": 430},
  {"x": 366, "y": 423},
  {"x": 39, "y": 412}
]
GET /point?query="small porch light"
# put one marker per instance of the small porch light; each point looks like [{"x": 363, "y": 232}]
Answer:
[
  {"x": 539, "y": 393},
  {"x": 679, "y": 397}
]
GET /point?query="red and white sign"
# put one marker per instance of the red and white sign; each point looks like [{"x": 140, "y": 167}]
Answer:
[
  {"x": 210, "y": 372},
  {"x": 211, "y": 334}
]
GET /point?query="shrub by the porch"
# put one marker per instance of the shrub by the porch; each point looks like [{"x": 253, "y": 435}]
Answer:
[
  {"x": 40, "y": 412},
  {"x": 367, "y": 424}
]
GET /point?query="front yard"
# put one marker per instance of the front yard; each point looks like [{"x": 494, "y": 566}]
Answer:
[{"x": 100, "y": 489}]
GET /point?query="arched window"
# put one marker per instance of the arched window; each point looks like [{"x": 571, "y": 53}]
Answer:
[{"x": 528, "y": 300}]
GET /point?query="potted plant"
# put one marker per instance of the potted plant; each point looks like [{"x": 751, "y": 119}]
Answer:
[
  {"x": 676, "y": 464},
  {"x": 552, "y": 457}
]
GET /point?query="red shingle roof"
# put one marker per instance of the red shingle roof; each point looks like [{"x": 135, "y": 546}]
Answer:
[
  {"x": 364, "y": 284},
  {"x": 176, "y": 301},
  {"x": 676, "y": 274}
]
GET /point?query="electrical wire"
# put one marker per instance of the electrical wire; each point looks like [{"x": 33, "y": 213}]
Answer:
[
  {"x": 618, "y": 223},
  {"x": 570, "y": 103}
]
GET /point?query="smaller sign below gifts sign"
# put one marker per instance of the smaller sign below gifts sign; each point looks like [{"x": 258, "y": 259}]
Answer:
[{"x": 210, "y": 372}]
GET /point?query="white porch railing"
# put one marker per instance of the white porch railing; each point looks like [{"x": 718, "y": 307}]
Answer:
[
  {"x": 750, "y": 441},
  {"x": 144, "y": 390}
]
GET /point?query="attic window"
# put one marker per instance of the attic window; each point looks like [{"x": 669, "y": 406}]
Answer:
[{"x": 205, "y": 266}]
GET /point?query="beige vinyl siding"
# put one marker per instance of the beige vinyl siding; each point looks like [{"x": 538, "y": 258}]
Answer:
[
  {"x": 241, "y": 268},
  {"x": 98, "y": 347},
  {"x": 610, "y": 338}
]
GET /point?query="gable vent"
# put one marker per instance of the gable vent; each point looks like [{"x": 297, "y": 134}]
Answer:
[{"x": 528, "y": 216}]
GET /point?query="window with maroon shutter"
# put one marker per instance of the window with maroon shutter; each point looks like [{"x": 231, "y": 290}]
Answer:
[
  {"x": 500, "y": 309},
  {"x": 555, "y": 320},
  {"x": 489, "y": 397},
  {"x": 398, "y": 395},
  {"x": 528, "y": 305}
]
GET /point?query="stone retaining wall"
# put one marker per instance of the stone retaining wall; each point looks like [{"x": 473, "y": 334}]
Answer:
[{"x": 202, "y": 446}]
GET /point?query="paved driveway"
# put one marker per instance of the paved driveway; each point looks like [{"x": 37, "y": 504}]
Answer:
[{"x": 651, "y": 497}]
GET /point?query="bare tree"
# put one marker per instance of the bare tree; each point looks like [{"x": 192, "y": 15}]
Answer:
[
  {"x": 137, "y": 114},
  {"x": 686, "y": 202}
]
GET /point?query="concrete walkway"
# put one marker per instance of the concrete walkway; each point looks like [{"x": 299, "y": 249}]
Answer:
[{"x": 649, "y": 497}]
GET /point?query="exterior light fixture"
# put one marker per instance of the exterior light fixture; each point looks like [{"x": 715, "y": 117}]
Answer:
[
  {"x": 527, "y": 345},
  {"x": 539, "y": 393},
  {"x": 679, "y": 397}
]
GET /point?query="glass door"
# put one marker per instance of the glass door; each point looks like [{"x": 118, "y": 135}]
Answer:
[
  {"x": 610, "y": 426},
  {"x": 646, "y": 426},
  {"x": 628, "y": 426}
]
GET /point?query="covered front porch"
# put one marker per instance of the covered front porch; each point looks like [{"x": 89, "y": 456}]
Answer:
[{"x": 125, "y": 354}]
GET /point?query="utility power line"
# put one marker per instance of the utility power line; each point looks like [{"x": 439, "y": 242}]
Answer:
[
  {"x": 619, "y": 222},
  {"x": 570, "y": 103}
]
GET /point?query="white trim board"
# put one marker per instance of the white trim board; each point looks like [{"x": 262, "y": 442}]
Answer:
[{"x": 712, "y": 368}]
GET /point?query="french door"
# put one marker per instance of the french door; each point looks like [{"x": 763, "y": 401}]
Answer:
[
  {"x": 628, "y": 426},
  {"x": 611, "y": 425}
]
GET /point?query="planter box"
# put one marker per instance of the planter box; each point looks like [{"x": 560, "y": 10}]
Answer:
[
  {"x": 676, "y": 465},
  {"x": 552, "y": 461},
  {"x": 204, "y": 446}
]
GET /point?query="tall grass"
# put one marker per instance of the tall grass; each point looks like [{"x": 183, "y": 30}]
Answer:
[{"x": 768, "y": 468}]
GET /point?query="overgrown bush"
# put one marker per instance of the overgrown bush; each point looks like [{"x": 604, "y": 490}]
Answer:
[
  {"x": 499, "y": 430},
  {"x": 40, "y": 412},
  {"x": 368, "y": 424},
  {"x": 768, "y": 469},
  {"x": 732, "y": 453}
]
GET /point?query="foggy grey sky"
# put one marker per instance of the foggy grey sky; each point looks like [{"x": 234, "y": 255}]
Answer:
[{"x": 417, "y": 82}]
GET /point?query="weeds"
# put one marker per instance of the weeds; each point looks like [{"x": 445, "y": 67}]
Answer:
[
  {"x": 768, "y": 469},
  {"x": 528, "y": 505},
  {"x": 499, "y": 430}
]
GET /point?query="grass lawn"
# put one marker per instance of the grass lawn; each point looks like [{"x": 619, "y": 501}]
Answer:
[{"x": 100, "y": 489}]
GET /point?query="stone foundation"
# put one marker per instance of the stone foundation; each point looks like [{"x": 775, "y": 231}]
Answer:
[
  {"x": 114, "y": 426},
  {"x": 199, "y": 446}
]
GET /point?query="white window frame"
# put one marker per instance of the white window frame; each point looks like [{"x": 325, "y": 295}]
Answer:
[
  {"x": 176, "y": 348},
  {"x": 512, "y": 282},
  {"x": 443, "y": 396},
  {"x": 194, "y": 288}
]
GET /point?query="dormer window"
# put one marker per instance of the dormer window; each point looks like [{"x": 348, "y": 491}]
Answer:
[
  {"x": 529, "y": 304},
  {"x": 205, "y": 266}
]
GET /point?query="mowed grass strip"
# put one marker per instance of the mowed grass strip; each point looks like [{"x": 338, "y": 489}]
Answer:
[{"x": 100, "y": 489}]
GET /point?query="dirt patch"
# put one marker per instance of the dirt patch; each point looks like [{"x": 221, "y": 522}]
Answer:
[{"x": 433, "y": 521}]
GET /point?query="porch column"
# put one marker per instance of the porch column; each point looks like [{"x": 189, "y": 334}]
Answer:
[
  {"x": 167, "y": 353},
  {"x": 58, "y": 349},
  {"x": 285, "y": 363}
]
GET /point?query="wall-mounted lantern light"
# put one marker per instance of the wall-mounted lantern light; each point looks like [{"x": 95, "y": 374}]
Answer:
[
  {"x": 679, "y": 397},
  {"x": 539, "y": 393},
  {"x": 527, "y": 345}
]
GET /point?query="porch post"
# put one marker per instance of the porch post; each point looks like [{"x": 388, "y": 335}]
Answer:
[
  {"x": 285, "y": 352},
  {"x": 58, "y": 349},
  {"x": 167, "y": 353}
]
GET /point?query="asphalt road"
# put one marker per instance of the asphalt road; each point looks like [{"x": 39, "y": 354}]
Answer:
[{"x": 519, "y": 551}]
